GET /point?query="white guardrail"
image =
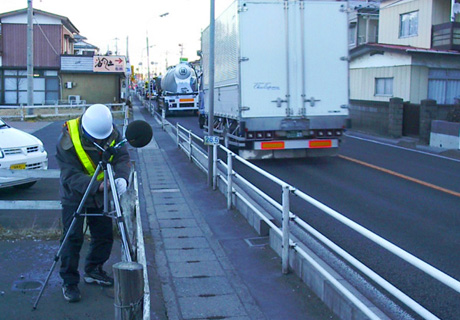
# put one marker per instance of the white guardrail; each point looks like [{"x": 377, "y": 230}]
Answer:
[
  {"x": 185, "y": 140},
  {"x": 23, "y": 112}
]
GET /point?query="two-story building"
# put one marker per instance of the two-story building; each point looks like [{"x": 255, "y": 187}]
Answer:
[
  {"x": 363, "y": 22},
  {"x": 61, "y": 74},
  {"x": 417, "y": 56}
]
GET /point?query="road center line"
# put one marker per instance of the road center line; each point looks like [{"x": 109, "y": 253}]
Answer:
[{"x": 423, "y": 183}]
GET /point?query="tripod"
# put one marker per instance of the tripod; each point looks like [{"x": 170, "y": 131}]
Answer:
[{"x": 116, "y": 215}]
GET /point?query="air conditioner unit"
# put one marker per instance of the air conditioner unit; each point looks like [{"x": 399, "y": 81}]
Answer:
[{"x": 74, "y": 99}]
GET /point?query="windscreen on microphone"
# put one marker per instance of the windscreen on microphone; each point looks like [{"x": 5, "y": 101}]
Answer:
[{"x": 139, "y": 133}]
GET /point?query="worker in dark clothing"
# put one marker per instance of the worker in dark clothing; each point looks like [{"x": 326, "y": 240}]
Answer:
[{"x": 78, "y": 154}]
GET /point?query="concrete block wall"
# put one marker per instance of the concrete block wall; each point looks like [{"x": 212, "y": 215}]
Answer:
[
  {"x": 395, "y": 117},
  {"x": 428, "y": 113},
  {"x": 369, "y": 116}
]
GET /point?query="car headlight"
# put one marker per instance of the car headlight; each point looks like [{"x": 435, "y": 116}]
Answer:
[
  {"x": 41, "y": 148},
  {"x": 2, "y": 155}
]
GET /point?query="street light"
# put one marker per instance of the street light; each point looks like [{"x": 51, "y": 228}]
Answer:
[
  {"x": 148, "y": 60},
  {"x": 181, "y": 45}
]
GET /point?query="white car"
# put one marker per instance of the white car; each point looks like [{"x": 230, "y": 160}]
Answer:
[{"x": 20, "y": 150}]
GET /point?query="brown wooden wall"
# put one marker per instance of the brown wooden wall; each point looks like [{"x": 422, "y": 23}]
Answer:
[{"x": 45, "y": 55}]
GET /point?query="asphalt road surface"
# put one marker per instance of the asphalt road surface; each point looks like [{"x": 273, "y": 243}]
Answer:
[{"x": 409, "y": 198}]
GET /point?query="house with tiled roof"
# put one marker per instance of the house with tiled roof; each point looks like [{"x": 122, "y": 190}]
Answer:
[
  {"x": 416, "y": 58},
  {"x": 63, "y": 63}
]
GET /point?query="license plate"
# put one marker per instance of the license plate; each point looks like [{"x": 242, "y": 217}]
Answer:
[
  {"x": 294, "y": 134},
  {"x": 19, "y": 166}
]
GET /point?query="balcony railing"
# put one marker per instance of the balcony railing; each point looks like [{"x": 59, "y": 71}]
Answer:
[{"x": 446, "y": 36}]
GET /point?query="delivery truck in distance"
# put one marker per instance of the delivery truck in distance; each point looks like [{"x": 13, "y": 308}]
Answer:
[{"x": 281, "y": 77}]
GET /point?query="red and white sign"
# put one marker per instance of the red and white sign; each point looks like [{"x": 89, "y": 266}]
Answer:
[{"x": 109, "y": 64}]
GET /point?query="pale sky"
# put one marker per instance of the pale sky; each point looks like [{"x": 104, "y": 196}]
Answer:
[{"x": 104, "y": 21}]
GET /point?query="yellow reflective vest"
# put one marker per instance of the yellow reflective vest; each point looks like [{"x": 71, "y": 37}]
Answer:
[{"x": 74, "y": 132}]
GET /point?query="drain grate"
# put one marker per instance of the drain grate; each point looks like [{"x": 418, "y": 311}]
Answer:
[{"x": 257, "y": 242}]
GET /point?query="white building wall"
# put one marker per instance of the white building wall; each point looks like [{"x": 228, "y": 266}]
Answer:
[
  {"x": 389, "y": 23},
  {"x": 364, "y": 70}
]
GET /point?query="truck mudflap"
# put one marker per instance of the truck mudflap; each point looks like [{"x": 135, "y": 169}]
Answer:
[{"x": 296, "y": 144}]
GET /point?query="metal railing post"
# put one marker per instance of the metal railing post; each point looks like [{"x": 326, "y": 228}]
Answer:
[
  {"x": 177, "y": 134},
  {"x": 229, "y": 179},
  {"x": 163, "y": 117},
  {"x": 22, "y": 112},
  {"x": 214, "y": 167},
  {"x": 285, "y": 240},
  {"x": 190, "y": 145}
]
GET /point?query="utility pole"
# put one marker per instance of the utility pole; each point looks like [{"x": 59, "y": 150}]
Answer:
[
  {"x": 148, "y": 69},
  {"x": 30, "y": 54},
  {"x": 128, "y": 92},
  {"x": 116, "y": 46},
  {"x": 211, "y": 91},
  {"x": 181, "y": 45}
]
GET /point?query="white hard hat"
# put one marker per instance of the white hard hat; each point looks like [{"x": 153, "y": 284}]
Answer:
[{"x": 97, "y": 121}]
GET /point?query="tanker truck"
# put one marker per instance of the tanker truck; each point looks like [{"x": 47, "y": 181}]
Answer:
[
  {"x": 179, "y": 90},
  {"x": 281, "y": 77}
]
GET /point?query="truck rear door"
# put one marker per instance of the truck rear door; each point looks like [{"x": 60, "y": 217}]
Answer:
[
  {"x": 293, "y": 58},
  {"x": 263, "y": 59}
]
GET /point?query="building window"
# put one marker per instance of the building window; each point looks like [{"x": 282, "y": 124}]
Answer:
[
  {"x": 444, "y": 85},
  {"x": 46, "y": 87},
  {"x": 408, "y": 24},
  {"x": 384, "y": 87},
  {"x": 352, "y": 34}
]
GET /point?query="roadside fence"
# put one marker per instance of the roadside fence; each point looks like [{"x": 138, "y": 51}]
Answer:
[
  {"x": 281, "y": 221},
  {"x": 23, "y": 112}
]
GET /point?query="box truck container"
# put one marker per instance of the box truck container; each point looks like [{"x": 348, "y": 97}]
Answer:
[{"x": 281, "y": 77}]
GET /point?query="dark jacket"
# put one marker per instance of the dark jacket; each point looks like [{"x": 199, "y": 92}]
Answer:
[{"x": 75, "y": 180}]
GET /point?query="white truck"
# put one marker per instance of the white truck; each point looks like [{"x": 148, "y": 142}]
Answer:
[
  {"x": 179, "y": 89},
  {"x": 281, "y": 77}
]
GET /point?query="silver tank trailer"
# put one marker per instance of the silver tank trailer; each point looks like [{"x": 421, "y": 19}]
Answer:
[{"x": 179, "y": 79}]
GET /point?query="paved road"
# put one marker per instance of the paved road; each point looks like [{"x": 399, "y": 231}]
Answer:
[{"x": 408, "y": 197}]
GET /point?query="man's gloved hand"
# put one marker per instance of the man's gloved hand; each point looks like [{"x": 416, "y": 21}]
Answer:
[
  {"x": 110, "y": 151},
  {"x": 121, "y": 185}
]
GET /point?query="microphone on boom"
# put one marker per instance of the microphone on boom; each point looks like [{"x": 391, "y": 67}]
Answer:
[{"x": 138, "y": 133}]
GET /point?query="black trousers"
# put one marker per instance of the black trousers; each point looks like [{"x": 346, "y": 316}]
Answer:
[{"x": 100, "y": 245}]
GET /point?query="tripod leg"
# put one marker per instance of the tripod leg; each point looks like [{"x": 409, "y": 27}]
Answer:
[
  {"x": 56, "y": 259},
  {"x": 119, "y": 217},
  {"x": 77, "y": 213}
]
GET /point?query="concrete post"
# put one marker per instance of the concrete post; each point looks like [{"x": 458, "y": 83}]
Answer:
[
  {"x": 428, "y": 112},
  {"x": 395, "y": 117},
  {"x": 129, "y": 290}
]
